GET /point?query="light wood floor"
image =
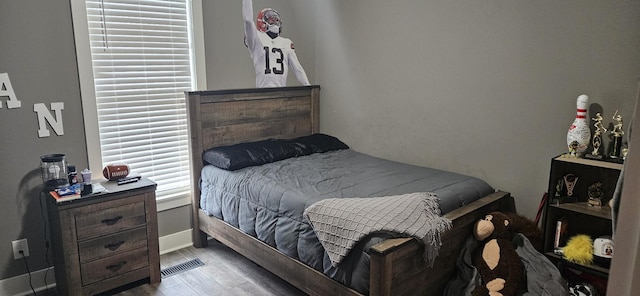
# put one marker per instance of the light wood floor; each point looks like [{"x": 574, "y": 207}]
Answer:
[{"x": 225, "y": 272}]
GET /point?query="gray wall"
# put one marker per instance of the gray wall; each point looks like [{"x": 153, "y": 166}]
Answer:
[
  {"x": 37, "y": 51},
  {"x": 485, "y": 88}
]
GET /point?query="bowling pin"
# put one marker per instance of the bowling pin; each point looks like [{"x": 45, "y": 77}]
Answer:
[{"x": 579, "y": 135}]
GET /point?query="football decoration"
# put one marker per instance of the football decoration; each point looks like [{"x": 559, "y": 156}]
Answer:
[{"x": 114, "y": 172}]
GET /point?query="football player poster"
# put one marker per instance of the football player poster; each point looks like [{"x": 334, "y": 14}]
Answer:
[{"x": 273, "y": 55}]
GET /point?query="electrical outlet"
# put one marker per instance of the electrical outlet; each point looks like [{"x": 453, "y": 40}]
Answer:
[{"x": 20, "y": 245}]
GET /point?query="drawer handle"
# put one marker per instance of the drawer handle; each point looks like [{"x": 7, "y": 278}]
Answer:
[
  {"x": 116, "y": 267},
  {"x": 114, "y": 246},
  {"x": 112, "y": 221}
]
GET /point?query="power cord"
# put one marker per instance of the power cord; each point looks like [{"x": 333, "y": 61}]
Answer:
[
  {"x": 46, "y": 241},
  {"x": 26, "y": 264}
]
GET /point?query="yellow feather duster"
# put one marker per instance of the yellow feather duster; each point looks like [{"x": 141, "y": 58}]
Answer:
[{"x": 579, "y": 249}]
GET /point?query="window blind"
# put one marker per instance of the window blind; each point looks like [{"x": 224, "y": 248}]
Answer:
[{"x": 142, "y": 64}]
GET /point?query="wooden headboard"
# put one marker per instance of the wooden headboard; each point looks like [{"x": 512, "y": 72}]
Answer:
[{"x": 225, "y": 117}]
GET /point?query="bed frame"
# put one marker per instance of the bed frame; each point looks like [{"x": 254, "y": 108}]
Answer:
[{"x": 225, "y": 117}]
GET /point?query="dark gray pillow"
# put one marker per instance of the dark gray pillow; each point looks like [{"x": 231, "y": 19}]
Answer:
[
  {"x": 320, "y": 143},
  {"x": 238, "y": 156}
]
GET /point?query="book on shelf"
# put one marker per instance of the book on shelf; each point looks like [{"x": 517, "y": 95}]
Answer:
[{"x": 560, "y": 238}]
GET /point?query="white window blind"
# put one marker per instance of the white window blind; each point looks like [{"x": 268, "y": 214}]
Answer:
[{"x": 141, "y": 59}]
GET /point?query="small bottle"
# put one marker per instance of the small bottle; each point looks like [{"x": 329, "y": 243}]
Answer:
[{"x": 73, "y": 174}]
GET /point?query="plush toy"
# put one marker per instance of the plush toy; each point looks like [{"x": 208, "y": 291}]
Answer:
[
  {"x": 495, "y": 258},
  {"x": 579, "y": 249},
  {"x": 528, "y": 228}
]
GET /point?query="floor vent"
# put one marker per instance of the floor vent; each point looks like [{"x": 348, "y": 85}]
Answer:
[{"x": 173, "y": 270}]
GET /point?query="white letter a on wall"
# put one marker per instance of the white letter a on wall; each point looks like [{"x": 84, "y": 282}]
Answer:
[
  {"x": 45, "y": 116},
  {"x": 7, "y": 91}
]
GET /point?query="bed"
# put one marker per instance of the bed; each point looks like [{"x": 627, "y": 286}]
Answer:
[{"x": 395, "y": 266}]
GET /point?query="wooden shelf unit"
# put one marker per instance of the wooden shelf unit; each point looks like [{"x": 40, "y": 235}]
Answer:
[{"x": 581, "y": 218}]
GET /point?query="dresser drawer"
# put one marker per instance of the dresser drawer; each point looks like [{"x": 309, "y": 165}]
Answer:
[
  {"x": 101, "y": 247},
  {"x": 110, "y": 220},
  {"x": 118, "y": 264}
]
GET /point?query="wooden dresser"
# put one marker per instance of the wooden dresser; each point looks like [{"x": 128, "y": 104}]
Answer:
[{"x": 105, "y": 240}]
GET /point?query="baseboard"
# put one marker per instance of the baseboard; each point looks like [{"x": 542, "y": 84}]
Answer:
[
  {"x": 19, "y": 285},
  {"x": 175, "y": 241}
]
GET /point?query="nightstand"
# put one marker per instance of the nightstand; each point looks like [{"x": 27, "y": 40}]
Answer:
[{"x": 105, "y": 240}]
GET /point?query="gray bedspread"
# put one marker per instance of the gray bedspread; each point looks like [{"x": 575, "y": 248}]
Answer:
[{"x": 268, "y": 201}]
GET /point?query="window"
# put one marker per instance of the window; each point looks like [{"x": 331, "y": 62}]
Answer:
[{"x": 140, "y": 56}]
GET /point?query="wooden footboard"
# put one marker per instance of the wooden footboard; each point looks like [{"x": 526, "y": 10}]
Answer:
[{"x": 397, "y": 265}]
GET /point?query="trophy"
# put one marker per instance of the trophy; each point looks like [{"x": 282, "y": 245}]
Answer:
[
  {"x": 617, "y": 136},
  {"x": 564, "y": 189},
  {"x": 595, "y": 195},
  {"x": 596, "y": 140}
]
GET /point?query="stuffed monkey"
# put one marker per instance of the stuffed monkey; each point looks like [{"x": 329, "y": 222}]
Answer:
[
  {"x": 495, "y": 258},
  {"x": 528, "y": 228}
]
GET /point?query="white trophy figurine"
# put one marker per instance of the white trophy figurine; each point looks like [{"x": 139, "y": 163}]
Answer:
[{"x": 579, "y": 135}]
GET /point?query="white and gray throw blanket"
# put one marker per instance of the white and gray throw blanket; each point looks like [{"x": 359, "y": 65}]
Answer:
[{"x": 340, "y": 223}]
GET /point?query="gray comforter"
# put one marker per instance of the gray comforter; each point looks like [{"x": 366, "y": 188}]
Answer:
[{"x": 268, "y": 201}]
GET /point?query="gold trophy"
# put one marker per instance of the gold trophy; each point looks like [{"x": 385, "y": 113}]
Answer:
[
  {"x": 596, "y": 140},
  {"x": 617, "y": 136},
  {"x": 594, "y": 192}
]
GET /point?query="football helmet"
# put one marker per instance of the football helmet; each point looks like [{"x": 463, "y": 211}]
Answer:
[{"x": 268, "y": 17}]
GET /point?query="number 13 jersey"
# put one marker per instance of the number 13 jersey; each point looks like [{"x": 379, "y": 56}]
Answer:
[{"x": 272, "y": 59}]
